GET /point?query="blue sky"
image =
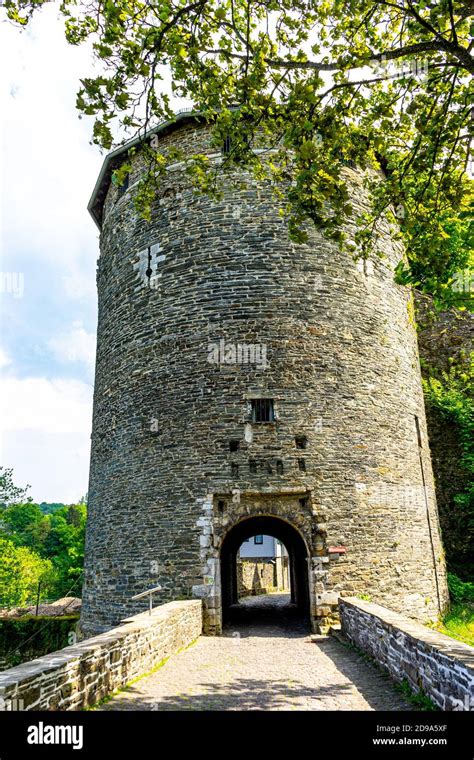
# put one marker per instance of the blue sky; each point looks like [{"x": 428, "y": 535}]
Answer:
[{"x": 49, "y": 248}]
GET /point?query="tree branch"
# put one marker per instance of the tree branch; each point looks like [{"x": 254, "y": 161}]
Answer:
[{"x": 389, "y": 55}]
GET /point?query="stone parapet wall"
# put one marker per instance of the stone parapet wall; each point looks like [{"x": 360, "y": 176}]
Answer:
[
  {"x": 439, "y": 665},
  {"x": 82, "y": 674}
]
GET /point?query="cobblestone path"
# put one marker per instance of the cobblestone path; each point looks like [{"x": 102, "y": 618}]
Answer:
[{"x": 263, "y": 663}]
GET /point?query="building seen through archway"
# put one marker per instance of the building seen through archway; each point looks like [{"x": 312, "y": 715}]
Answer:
[
  {"x": 264, "y": 571},
  {"x": 262, "y": 567}
]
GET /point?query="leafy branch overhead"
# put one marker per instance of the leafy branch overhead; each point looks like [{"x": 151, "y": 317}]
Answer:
[{"x": 377, "y": 83}]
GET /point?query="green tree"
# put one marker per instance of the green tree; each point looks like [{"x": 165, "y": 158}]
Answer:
[
  {"x": 64, "y": 544},
  {"x": 9, "y": 492},
  {"x": 25, "y": 525},
  {"x": 38, "y": 544},
  {"x": 383, "y": 84},
  {"x": 21, "y": 570}
]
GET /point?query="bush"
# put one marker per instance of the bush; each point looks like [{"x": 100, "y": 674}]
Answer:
[
  {"x": 23, "y": 639},
  {"x": 460, "y": 591}
]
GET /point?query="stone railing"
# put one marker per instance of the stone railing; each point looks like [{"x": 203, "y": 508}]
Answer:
[
  {"x": 82, "y": 674},
  {"x": 439, "y": 665}
]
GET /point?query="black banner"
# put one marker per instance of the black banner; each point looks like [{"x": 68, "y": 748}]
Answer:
[{"x": 119, "y": 734}]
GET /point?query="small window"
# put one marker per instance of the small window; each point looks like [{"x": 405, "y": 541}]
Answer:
[
  {"x": 279, "y": 466},
  {"x": 221, "y": 506},
  {"x": 302, "y": 465},
  {"x": 234, "y": 468},
  {"x": 262, "y": 410},
  {"x": 233, "y": 445},
  {"x": 258, "y": 539},
  {"x": 252, "y": 465},
  {"x": 301, "y": 441},
  {"x": 227, "y": 146}
]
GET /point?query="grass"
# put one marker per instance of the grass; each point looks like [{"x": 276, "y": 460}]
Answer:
[
  {"x": 419, "y": 700},
  {"x": 459, "y": 622}
]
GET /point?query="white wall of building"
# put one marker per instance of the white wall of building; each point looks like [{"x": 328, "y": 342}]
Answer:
[{"x": 269, "y": 548}]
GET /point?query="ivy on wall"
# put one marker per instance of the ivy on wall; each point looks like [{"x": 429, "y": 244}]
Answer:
[{"x": 450, "y": 394}]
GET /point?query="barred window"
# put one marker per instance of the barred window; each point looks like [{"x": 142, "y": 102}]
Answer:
[{"x": 262, "y": 410}]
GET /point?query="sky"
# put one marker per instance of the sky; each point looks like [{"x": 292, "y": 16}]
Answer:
[{"x": 49, "y": 249}]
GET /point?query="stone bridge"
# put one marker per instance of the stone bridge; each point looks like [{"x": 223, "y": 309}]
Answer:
[
  {"x": 257, "y": 665},
  {"x": 161, "y": 661}
]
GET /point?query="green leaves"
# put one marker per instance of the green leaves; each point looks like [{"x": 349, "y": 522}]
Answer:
[
  {"x": 450, "y": 395},
  {"x": 9, "y": 492},
  {"x": 20, "y": 572},
  {"x": 319, "y": 84},
  {"x": 35, "y": 546}
]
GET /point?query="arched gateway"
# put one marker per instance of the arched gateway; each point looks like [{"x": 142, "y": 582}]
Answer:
[
  {"x": 295, "y": 546},
  {"x": 284, "y": 532}
]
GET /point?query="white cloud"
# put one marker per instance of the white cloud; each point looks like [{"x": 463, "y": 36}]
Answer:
[
  {"x": 55, "y": 465},
  {"x": 74, "y": 345},
  {"x": 4, "y": 359},
  {"x": 46, "y": 435},
  {"x": 54, "y": 406}
]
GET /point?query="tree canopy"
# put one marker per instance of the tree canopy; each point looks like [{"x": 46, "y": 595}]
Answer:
[
  {"x": 384, "y": 84},
  {"x": 21, "y": 570},
  {"x": 37, "y": 546}
]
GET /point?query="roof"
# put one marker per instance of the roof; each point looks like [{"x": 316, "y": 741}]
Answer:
[{"x": 114, "y": 159}]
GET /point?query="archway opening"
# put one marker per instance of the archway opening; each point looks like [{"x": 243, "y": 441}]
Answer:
[{"x": 264, "y": 573}]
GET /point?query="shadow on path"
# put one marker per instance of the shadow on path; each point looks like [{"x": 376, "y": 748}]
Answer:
[
  {"x": 265, "y": 615},
  {"x": 240, "y": 694}
]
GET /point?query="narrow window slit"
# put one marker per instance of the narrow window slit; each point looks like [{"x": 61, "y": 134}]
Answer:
[{"x": 418, "y": 432}]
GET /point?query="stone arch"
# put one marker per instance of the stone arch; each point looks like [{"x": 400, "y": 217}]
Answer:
[{"x": 285, "y": 532}]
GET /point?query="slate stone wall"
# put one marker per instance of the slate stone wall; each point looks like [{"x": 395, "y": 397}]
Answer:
[
  {"x": 176, "y": 460},
  {"x": 439, "y": 665}
]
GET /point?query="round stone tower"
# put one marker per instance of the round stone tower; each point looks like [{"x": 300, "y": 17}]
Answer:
[{"x": 249, "y": 385}]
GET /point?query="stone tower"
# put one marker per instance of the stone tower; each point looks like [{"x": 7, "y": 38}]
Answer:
[{"x": 249, "y": 385}]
